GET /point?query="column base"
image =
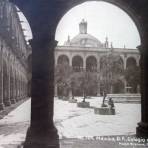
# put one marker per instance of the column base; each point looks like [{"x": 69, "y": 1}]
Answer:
[
  {"x": 21, "y": 98},
  {"x": 41, "y": 138},
  {"x": 2, "y": 106},
  {"x": 142, "y": 130},
  {"x": 12, "y": 101},
  {"x": 7, "y": 103},
  {"x": 17, "y": 99},
  {"x": 98, "y": 95}
]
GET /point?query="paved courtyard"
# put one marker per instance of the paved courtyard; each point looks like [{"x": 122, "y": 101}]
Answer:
[{"x": 73, "y": 122}]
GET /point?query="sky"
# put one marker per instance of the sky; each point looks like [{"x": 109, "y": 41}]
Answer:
[{"x": 104, "y": 20}]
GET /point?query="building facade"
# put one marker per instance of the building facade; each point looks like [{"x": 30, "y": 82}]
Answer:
[
  {"x": 14, "y": 52},
  {"x": 85, "y": 52}
]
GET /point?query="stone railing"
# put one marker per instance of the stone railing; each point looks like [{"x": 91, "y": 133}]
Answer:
[{"x": 121, "y": 98}]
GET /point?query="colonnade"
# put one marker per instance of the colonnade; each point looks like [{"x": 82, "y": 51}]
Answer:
[
  {"x": 93, "y": 62},
  {"x": 13, "y": 77},
  {"x": 14, "y": 53},
  {"x": 83, "y": 59}
]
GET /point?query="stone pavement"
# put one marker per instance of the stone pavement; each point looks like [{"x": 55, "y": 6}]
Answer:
[{"x": 14, "y": 126}]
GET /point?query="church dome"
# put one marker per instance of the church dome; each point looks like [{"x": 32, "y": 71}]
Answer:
[{"x": 83, "y": 39}]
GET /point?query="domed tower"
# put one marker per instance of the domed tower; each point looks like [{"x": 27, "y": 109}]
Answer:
[{"x": 83, "y": 39}]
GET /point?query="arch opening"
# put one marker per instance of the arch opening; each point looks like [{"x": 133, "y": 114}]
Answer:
[
  {"x": 91, "y": 64},
  {"x": 106, "y": 70},
  {"x": 77, "y": 63}
]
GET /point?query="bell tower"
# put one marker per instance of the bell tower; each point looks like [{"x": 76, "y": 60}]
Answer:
[{"x": 83, "y": 27}]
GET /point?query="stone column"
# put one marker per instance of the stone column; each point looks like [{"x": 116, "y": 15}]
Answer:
[
  {"x": 12, "y": 99},
  {"x": 70, "y": 61},
  {"x": 22, "y": 89},
  {"x": 6, "y": 84},
  {"x": 142, "y": 129},
  {"x": 42, "y": 132},
  {"x": 25, "y": 93},
  {"x": 15, "y": 87},
  {"x": 84, "y": 63},
  {"x": 70, "y": 93},
  {"x": 19, "y": 88},
  {"x": 98, "y": 75},
  {"x": 55, "y": 90},
  {"x": 1, "y": 78},
  {"x": 125, "y": 85},
  {"x": 124, "y": 62},
  {"x": 8, "y": 102}
]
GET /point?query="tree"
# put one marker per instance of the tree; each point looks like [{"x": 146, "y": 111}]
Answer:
[
  {"x": 69, "y": 81},
  {"x": 111, "y": 71},
  {"x": 132, "y": 76},
  {"x": 63, "y": 74},
  {"x": 85, "y": 81}
]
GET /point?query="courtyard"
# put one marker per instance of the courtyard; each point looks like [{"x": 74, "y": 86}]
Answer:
[{"x": 73, "y": 122}]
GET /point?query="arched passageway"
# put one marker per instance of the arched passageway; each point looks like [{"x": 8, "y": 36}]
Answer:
[
  {"x": 77, "y": 63},
  {"x": 91, "y": 64},
  {"x": 131, "y": 62},
  {"x": 63, "y": 59},
  {"x": 132, "y": 75},
  {"x": 44, "y": 28}
]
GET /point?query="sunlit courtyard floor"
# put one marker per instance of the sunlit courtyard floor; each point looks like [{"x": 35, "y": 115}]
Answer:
[{"x": 73, "y": 122}]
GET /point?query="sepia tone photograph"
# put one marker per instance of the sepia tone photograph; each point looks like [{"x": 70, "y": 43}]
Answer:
[{"x": 73, "y": 74}]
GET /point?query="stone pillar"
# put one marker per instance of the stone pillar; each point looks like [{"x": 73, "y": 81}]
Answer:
[
  {"x": 98, "y": 75},
  {"x": 15, "y": 87},
  {"x": 70, "y": 93},
  {"x": 8, "y": 102},
  {"x": 124, "y": 62},
  {"x": 84, "y": 63},
  {"x": 55, "y": 90},
  {"x": 22, "y": 89},
  {"x": 42, "y": 132},
  {"x": 98, "y": 92},
  {"x": 6, "y": 85},
  {"x": 142, "y": 129},
  {"x": 12, "y": 98},
  {"x": 1, "y": 78},
  {"x": 70, "y": 61},
  {"x": 125, "y": 85}
]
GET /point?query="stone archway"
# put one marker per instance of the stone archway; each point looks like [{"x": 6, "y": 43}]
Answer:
[
  {"x": 130, "y": 62},
  {"x": 91, "y": 64},
  {"x": 77, "y": 63},
  {"x": 48, "y": 14},
  {"x": 63, "y": 59},
  {"x": 132, "y": 74}
]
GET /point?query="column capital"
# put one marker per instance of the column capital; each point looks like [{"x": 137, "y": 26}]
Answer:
[
  {"x": 143, "y": 49},
  {"x": 43, "y": 43}
]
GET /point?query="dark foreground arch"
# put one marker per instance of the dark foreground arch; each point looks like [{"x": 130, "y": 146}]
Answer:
[{"x": 43, "y": 17}]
